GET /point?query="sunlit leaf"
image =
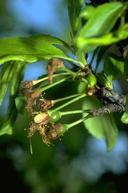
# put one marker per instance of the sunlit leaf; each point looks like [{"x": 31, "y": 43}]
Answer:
[
  {"x": 96, "y": 31},
  {"x": 89, "y": 44},
  {"x": 87, "y": 12},
  {"x": 31, "y": 49},
  {"x": 103, "y": 19}
]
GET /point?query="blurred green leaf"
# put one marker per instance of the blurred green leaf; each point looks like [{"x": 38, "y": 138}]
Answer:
[
  {"x": 17, "y": 76},
  {"x": 102, "y": 20},
  {"x": 5, "y": 77},
  {"x": 89, "y": 44},
  {"x": 10, "y": 77},
  {"x": 124, "y": 117},
  {"x": 105, "y": 80},
  {"x": 20, "y": 103},
  {"x": 81, "y": 56},
  {"x": 6, "y": 128},
  {"x": 82, "y": 86},
  {"x": 87, "y": 12},
  {"x": 100, "y": 127},
  {"x": 31, "y": 49},
  {"x": 114, "y": 66},
  {"x": 7, "y": 124},
  {"x": 74, "y": 8},
  {"x": 99, "y": 54}
]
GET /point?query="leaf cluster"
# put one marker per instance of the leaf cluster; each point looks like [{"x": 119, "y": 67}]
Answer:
[{"x": 99, "y": 31}]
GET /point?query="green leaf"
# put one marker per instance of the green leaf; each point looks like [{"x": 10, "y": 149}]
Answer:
[
  {"x": 7, "y": 125},
  {"x": 124, "y": 117},
  {"x": 103, "y": 19},
  {"x": 99, "y": 54},
  {"x": 31, "y": 49},
  {"x": 6, "y": 128},
  {"x": 87, "y": 12},
  {"x": 10, "y": 77},
  {"x": 100, "y": 127},
  {"x": 17, "y": 76},
  {"x": 114, "y": 66},
  {"x": 82, "y": 86},
  {"x": 5, "y": 77},
  {"x": 89, "y": 44},
  {"x": 20, "y": 103},
  {"x": 105, "y": 80},
  {"x": 74, "y": 8},
  {"x": 81, "y": 57}
]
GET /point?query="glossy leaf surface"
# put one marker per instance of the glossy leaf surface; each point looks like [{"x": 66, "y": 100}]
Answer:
[
  {"x": 31, "y": 49},
  {"x": 102, "y": 20}
]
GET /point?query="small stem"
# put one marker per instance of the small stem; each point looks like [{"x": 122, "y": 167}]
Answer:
[
  {"x": 52, "y": 85},
  {"x": 30, "y": 143},
  {"x": 69, "y": 102},
  {"x": 74, "y": 112},
  {"x": 65, "y": 98},
  {"x": 79, "y": 121},
  {"x": 34, "y": 82},
  {"x": 71, "y": 112},
  {"x": 69, "y": 72},
  {"x": 73, "y": 61}
]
